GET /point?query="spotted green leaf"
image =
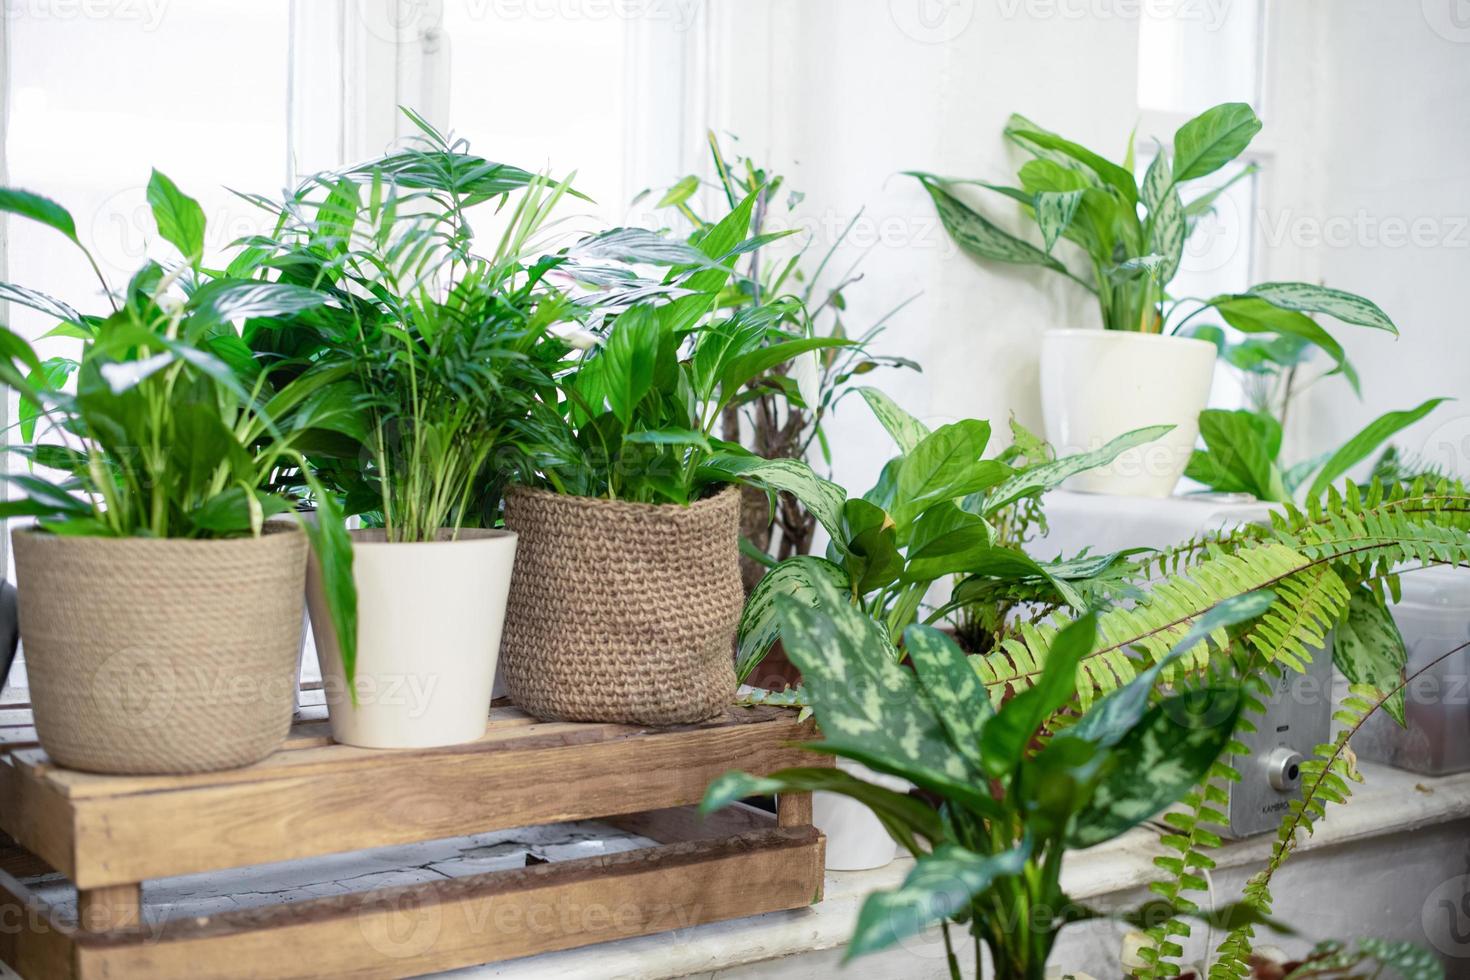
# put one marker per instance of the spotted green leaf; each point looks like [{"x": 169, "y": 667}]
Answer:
[
  {"x": 1308, "y": 297},
  {"x": 1369, "y": 649},
  {"x": 1054, "y": 211},
  {"x": 760, "y": 627},
  {"x": 906, "y": 430},
  {"x": 980, "y": 237},
  {"x": 940, "y": 885},
  {"x": 953, "y": 685}
]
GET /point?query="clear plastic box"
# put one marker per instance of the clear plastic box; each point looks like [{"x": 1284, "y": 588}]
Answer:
[{"x": 1434, "y": 618}]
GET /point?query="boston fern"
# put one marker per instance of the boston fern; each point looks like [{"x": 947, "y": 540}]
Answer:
[
  {"x": 1132, "y": 232},
  {"x": 999, "y": 801}
]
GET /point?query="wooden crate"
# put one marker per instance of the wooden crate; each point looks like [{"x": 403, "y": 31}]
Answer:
[{"x": 108, "y": 834}]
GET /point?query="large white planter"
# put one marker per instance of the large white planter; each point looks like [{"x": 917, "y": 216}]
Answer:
[
  {"x": 429, "y": 617},
  {"x": 1098, "y": 384},
  {"x": 856, "y": 840}
]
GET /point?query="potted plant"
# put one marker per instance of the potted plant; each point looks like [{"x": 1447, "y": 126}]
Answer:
[
  {"x": 441, "y": 353},
  {"x": 160, "y": 607},
  {"x": 939, "y": 510},
  {"x": 1002, "y": 794},
  {"x": 628, "y": 586},
  {"x": 781, "y": 412},
  {"x": 1143, "y": 367}
]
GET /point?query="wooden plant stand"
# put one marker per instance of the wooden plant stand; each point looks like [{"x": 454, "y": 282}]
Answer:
[{"x": 108, "y": 834}]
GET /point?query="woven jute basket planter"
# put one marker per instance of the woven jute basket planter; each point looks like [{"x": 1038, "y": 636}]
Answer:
[
  {"x": 622, "y": 612},
  {"x": 161, "y": 656}
]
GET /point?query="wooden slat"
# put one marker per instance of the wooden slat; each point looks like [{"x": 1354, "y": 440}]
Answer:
[
  {"x": 684, "y": 823},
  {"x": 320, "y": 806},
  {"x": 110, "y": 908},
  {"x": 37, "y": 817},
  {"x": 33, "y": 941},
  {"x": 443, "y": 925}
]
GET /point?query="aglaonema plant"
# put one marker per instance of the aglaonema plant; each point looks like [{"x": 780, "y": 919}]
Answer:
[
  {"x": 166, "y": 426},
  {"x": 933, "y": 514},
  {"x": 1002, "y": 794},
  {"x": 1131, "y": 233}
]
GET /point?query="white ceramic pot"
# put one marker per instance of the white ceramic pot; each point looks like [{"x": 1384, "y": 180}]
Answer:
[
  {"x": 429, "y": 617},
  {"x": 1098, "y": 384},
  {"x": 856, "y": 840}
]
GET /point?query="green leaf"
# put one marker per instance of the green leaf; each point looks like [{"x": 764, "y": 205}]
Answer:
[
  {"x": 939, "y": 887},
  {"x": 1005, "y": 737},
  {"x": 1241, "y": 454},
  {"x": 1030, "y": 136},
  {"x": 1373, "y": 435},
  {"x": 1037, "y": 479},
  {"x": 892, "y": 807},
  {"x": 669, "y": 437},
  {"x": 331, "y": 546},
  {"x": 629, "y": 358},
  {"x": 679, "y": 193},
  {"x": 1160, "y": 759},
  {"x": 980, "y": 237},
  {"x": 1167, "y": 229},
  {"x": 906, "y": 430},
  {"x": 868, "y": 707},
  {"x": 1251, "y": 314},
  {"x": 1107, "y": 721},
  {"x": 953, "y": 686},
  {"x": 872, "y": 557},
  {"x": 946, "y": 464},
  {"x": 1369, "y": 649},
  {"x": 760, "y": 627},
  {"x": 179, "y": 217},
  {"x": 237, "y": 512},
  {"x": 53, "y": 374},
  {"x": 1054, "y": 211},
  {"x": 234, "y": 300},
  {"x": 39, "y": 208},
  {"x": 1310, "y": 298},
  {"x": 1212, "y": 139},
  {"x": 945, "y": 540},
  {"x": 683, "y": 313},
  {"x": 823, "y": 498},
  {"x": 740, "y": 371}
]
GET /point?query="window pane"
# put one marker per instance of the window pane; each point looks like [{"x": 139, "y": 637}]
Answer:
[
  {"x": 535, "y": 86},
  {"x": 1193, "y": 56},
  {"x": 98, "y": 96}
]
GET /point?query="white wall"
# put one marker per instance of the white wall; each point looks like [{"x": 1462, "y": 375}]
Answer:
[
  {"x": 1365, "y": 112},
  {"x": 1375, "y": 198},
  {"x": 859, "y": 91}
]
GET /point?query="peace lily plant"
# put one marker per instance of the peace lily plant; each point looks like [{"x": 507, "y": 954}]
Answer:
[
  {"x": 1130, "y": 233},
  {"x": 153, "y": 466}
]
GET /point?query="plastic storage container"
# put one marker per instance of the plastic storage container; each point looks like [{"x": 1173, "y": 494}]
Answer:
[{"x": 1434, "y": 618}]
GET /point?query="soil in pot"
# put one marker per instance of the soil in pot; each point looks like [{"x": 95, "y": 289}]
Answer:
[{"x": 161, "y": 656}]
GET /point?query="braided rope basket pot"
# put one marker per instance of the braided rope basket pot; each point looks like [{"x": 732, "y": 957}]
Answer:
[
  {"x": 622, "y": 612},
  {"x": 164, "y": 656}
]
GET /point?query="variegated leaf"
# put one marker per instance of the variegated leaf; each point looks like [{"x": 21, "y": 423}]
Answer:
[
  {"x": 1054, "y": 212},
  {"x": 822, "y": 497},
  {"x": 1040, "y": 478},
  {"x": 760, "y": 627},
  {"x": 1369, "y": 649},
  {"x": 940, "y": 885},
  {"x": 980, "y": 237},
  {"x": 906, "y": 430},
  {"x": 953, "y": 685},
  {"x": 1307, "y": 297}
]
